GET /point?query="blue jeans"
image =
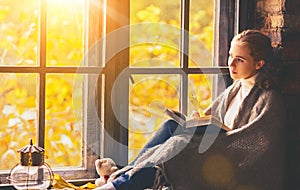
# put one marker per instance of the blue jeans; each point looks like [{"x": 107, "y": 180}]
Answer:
[{"x": 145, "y": 177}]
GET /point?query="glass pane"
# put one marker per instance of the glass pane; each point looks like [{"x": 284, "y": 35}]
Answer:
[
  {"x": 18, "y": 116},
  {"x": 19, "y": 32},
  {"x": 148, "y": 97},
  {"x": 65, "y": 32},
  {"x": 154, "y": 33},
  {"x": 199, "y": 92},
  {"x": 63, "y": 125},
  {"x": 201, "y": 33},
  {"x": 203, "y": 89}
]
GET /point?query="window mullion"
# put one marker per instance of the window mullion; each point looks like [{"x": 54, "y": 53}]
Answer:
[
  {"x": 42, "y": 74},
  {"x": 184, "y": 53},
  {"x": 184, "y": 41}
]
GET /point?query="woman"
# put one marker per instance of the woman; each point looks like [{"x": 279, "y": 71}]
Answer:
[{"x": 246, "y": 106}]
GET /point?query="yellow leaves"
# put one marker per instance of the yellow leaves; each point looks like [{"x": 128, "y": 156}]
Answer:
[
  {"x": 200, "y": 94},
  {"x": 149, "y": 96},
  {"x": 61, "y": 183},
  {"x": 58, "y": 92},
  {"x": 149, "y": 14},
  {"x": 4, "y": 10},
  {"x": 31, "y": 102},
  {"x": 89, "y": 185},
  {"x": 18, "y": 101},
  {"x": 150, "y": 89},
  {"x": 9, "y": 158},
  {"x": 148, "y": 55},
  {"x": 18, "y": 118},
  {"x": 63, "y": 139},
  {"x": 16, "y": 95},
  {"x": 196, "y": 19},
  {"x": 139, "y": 139},
  {"x": 65, "y": 33},
  {"x": 14, "y": 89},
  {"x": 63, "y": 151},
  {"x": 19, "y": 31}
]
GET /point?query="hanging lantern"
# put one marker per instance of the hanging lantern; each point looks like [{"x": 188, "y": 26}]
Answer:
[{"x": 32, "y": 172}]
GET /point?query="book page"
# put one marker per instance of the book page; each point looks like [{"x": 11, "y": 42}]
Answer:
[
  {"x": 177, "y": 116},
  {"x": 195, "y": 122},
  {"x": 206, "y": 120}
]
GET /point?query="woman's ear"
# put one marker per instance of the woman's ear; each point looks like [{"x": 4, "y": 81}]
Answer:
[{"x": 259, "y": 64}]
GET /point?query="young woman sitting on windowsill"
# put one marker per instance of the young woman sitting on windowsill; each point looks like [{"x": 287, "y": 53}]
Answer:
[{"x": 251, "y": 107}]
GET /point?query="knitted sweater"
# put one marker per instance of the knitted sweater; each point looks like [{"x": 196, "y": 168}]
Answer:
[{"x": 232, "y": 111}]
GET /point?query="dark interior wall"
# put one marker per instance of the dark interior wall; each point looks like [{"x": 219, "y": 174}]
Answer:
[{"x": 281, "y": 20}]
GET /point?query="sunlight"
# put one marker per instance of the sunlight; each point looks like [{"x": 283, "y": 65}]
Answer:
[
  {"x": 64, "y": 3},
  {"x": 66, "y": 9},
  {"x": 70, "y": 6}
]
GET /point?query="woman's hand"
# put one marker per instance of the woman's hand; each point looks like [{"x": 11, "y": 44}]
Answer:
[{"x": 195, "y": 114}]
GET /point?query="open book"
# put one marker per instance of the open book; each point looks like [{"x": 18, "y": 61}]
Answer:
[{"x": 195, "y": 122}]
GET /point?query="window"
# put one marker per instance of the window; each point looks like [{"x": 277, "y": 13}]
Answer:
[
  {"x": 44, "y": 74},
  {"x": 92, "y": 81}
]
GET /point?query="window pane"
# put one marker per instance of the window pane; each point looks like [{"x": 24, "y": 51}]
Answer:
[
  {"x": 201, "y": 33},
  {"x": 199, "y": 92},
  {"x": 19, "y": 32},
  {"x": 63, "y": 125},
  {"x": 154, "y": 33},
  {"x": 149, "y": 95},
  {"x": 18, "y": 116},
  {"x": 65, "y": 32}
]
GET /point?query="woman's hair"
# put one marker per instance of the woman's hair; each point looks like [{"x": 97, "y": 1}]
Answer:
[{"x": 260, "y": 48}]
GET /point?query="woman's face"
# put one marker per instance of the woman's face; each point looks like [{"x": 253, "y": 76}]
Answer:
[{"x": 241, "y": 63}]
